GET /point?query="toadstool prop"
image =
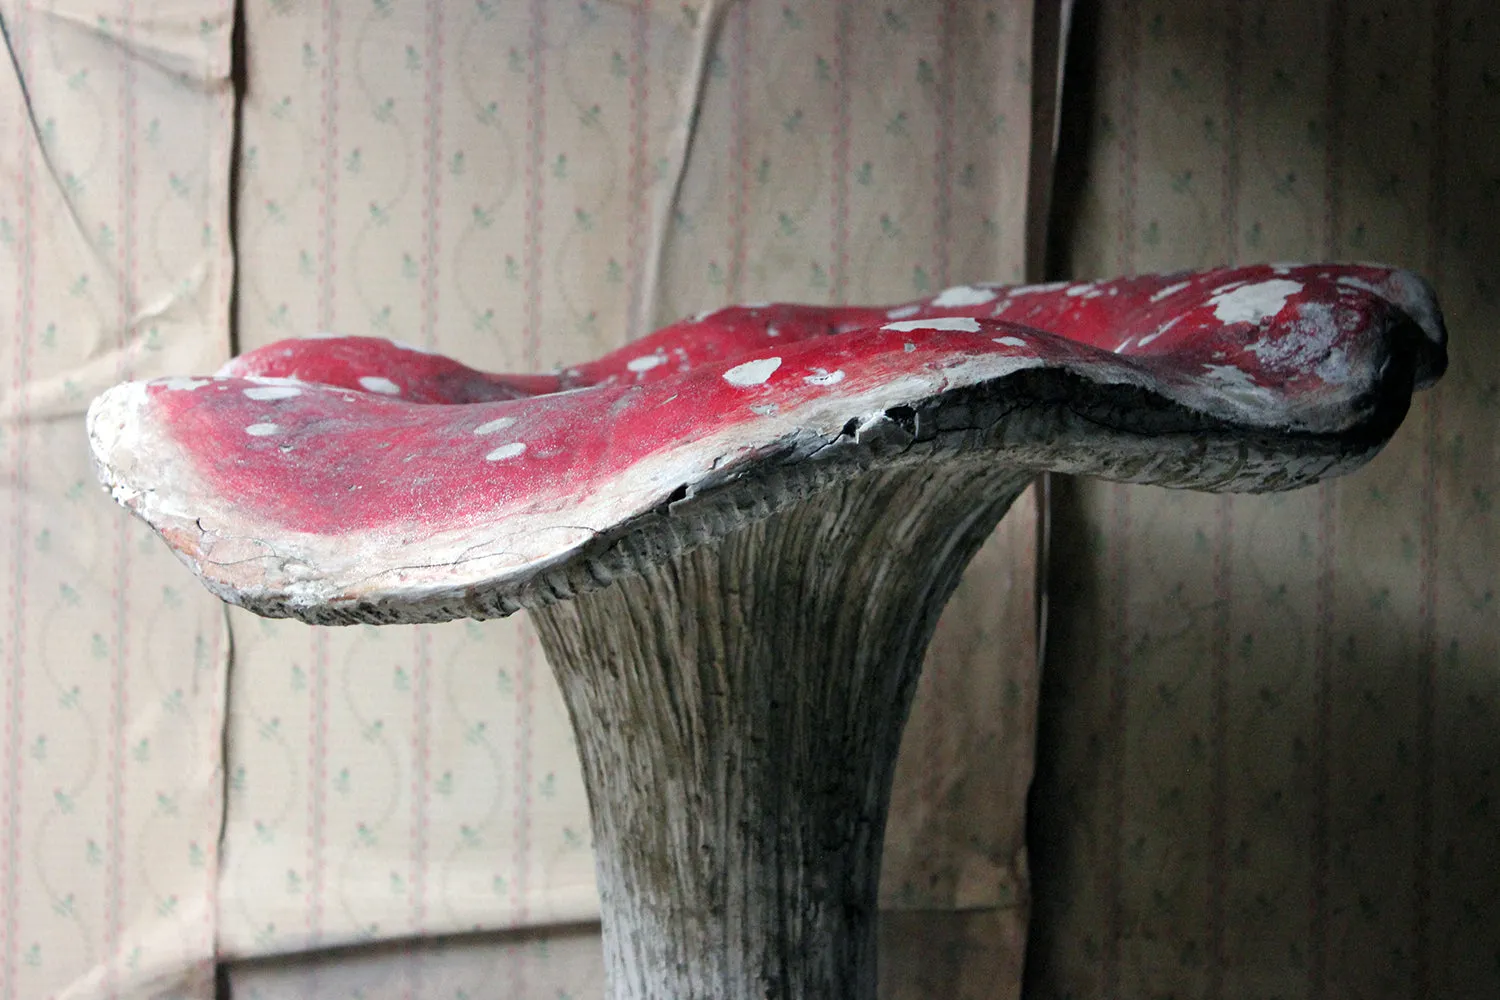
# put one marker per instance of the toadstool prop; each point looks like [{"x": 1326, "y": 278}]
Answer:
[{"x": 735, "y": 537}]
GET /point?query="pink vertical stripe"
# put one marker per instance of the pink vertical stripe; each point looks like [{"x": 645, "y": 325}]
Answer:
[
  {"x": 1426, "y": 776},
  {"x": 638, "y": 188},
  {"x": 1119, "y": 653},
  {"x": 943, "y": 126},
  {"x": 318, "y": 682},
  {"x": 114, "y": 890},
  {"x": 14, "y": 662},
  {"x": 739, "y": 111},
  {"x": 1318, "y": 920},
  {"x": 839, "y": 250}
]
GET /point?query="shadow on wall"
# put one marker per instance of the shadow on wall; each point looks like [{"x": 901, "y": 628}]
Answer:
[{"x": 1271, "y": 766}]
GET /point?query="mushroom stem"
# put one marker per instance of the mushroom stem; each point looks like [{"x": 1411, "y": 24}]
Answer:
[{"x": 738, "y": 709}]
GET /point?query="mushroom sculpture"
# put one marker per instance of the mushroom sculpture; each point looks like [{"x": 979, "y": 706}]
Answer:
[{"x": 735, "y": 537}]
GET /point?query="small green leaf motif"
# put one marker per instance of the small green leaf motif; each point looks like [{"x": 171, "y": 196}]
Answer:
[
  {"x": 897, "y": 125},
  {"x": 786, "y": 224},
  {"x": 547, "y": 788},
  {"x": 1255, "y": 234},
  {"x": 39, "y": 748},
  {"x": 1179, "y": 78},
  {"x": 1182, "y": 181},
  {"x": 919, "y": 280},
  {"x": 33, "y": 955},
  {"x": 341, "y": 781},
  {"x": 382, "y": 7},
  {"x": 379, "y": 214},
  {"x": 560, "y": 166},
  {"x": 583, "y": 219},
  {"x": 293, "y": 882},
  {"x": 413, "y": 59},
  {"x": 516, "y": 61},
  {"x": 309, "y": 56},
  {"x": 99, "y": 647},
  {"x": 401, "y": 682},
  {"x": 408, "y": 266},
  {"x": 969, "y": 176},
  {"x": 141, "y": 752},
  {"x": 613, "y": 272},
  {"x": 864, "y": 174},
  {"x": 793, "y": 121},
  {"x": 456, "y": 164},
  {"x": 63, "y": 801},
  {"x": 44, "y": 540},
  {"x": 894, "y": 21},
  {"x": 925, "y": 75},
  {"x": 475, "y": 733},
  {"x": 763, "y": 172},
  {"x": 365, "y": 835},
  {"x": 444, "y": 784},
  {"x": 63, "y": 907},
  {"x": 1285, "y": 185},
  {"x": 355, "y": 161},
  {"x": 1152, "y": 236},
  {"x": 618, "y": 68},
  {"x": 270, "y": 729},
  {"x": 385, "y": 111},
  {"x": 718, "y": 69},
  {"x": 789, "y": 17},
  {"x": 282, "y": 109},
  {"x": 822, "y": 70},
  {"x": 374, "y": 731},
  {"x": 817, "y": 276},
  {"x": 93, "y": 854},
  {"x": 166, "y": 906},
  {"x": 398, "y": 884},
  {"x": 715, "y": 275},
  {"x": 589, "y": 117},
  {"x": 196, "y": 857}
]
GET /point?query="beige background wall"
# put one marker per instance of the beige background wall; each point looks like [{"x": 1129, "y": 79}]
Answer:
[{"x": 1271, "y": 726}]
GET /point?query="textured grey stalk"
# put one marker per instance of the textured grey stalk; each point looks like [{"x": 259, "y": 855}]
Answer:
[{"x": 738, "y": 709}]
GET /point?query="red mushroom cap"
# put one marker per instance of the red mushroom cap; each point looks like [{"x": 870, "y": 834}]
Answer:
[{"x": 341, "y": 479}]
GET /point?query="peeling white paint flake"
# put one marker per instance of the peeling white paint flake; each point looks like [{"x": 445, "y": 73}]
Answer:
[
  {"x": 262, "y": 430},
  {"x": 764, "y": 409},
  {"x": 1077, "y": 290},
  {"x": 1170, "y": 290},
  {"x": 908, "y": 347},
  {"x": 822, "y": 376},
  {"x": 1011, "y": 341},
  {"x": 960, "y": 296},
  {"x": 184, "y": 384},
  {"x": 752, "y": 372},
  {"x": 1050, "y": 286},
  {"x": 645, "y": 363},
  {"x": 903, "y": 312},
  {"x": 1253, "y": 303},
  {"x": 491, "y": 426},
  {"x": 505, "y": 451},
  {"x": 1231, "y": 376},
  {"x": 380, "y": 384},
  {"x": 963, "y": 324},
  {"x": 265, "y": 393},
  {"x": 699, "y": 317}
]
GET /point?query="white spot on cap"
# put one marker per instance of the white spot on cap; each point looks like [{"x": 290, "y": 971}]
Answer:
[
  {"x": 505, "y": 451},
  {"x": 645, "y": 362},
  {"x": 1253, "y": 303},
  {"x": 1078, "y": 290},
  {"x": 1169, "y": 290},
  {"x": 752, "y": 372},
  {"x": 1010, "y": 341},
  {"x": 380, "y": 384},
  {"x": 262, "y": 430},
  {"x": 184, "y": 384},
  {"x": 1160, "y": 330},
  {"x": 963, "y": 295},
  {"x": 822, "y": 376},
  {"x": 263, "y": 393},
  {"x": 908, "y": 348},
  {"x": 498, "y": 424},
  {"x": 964, "y": 324},
  {"x": 903, "y": 312},
  {"x": 1050, "y": 286}
]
